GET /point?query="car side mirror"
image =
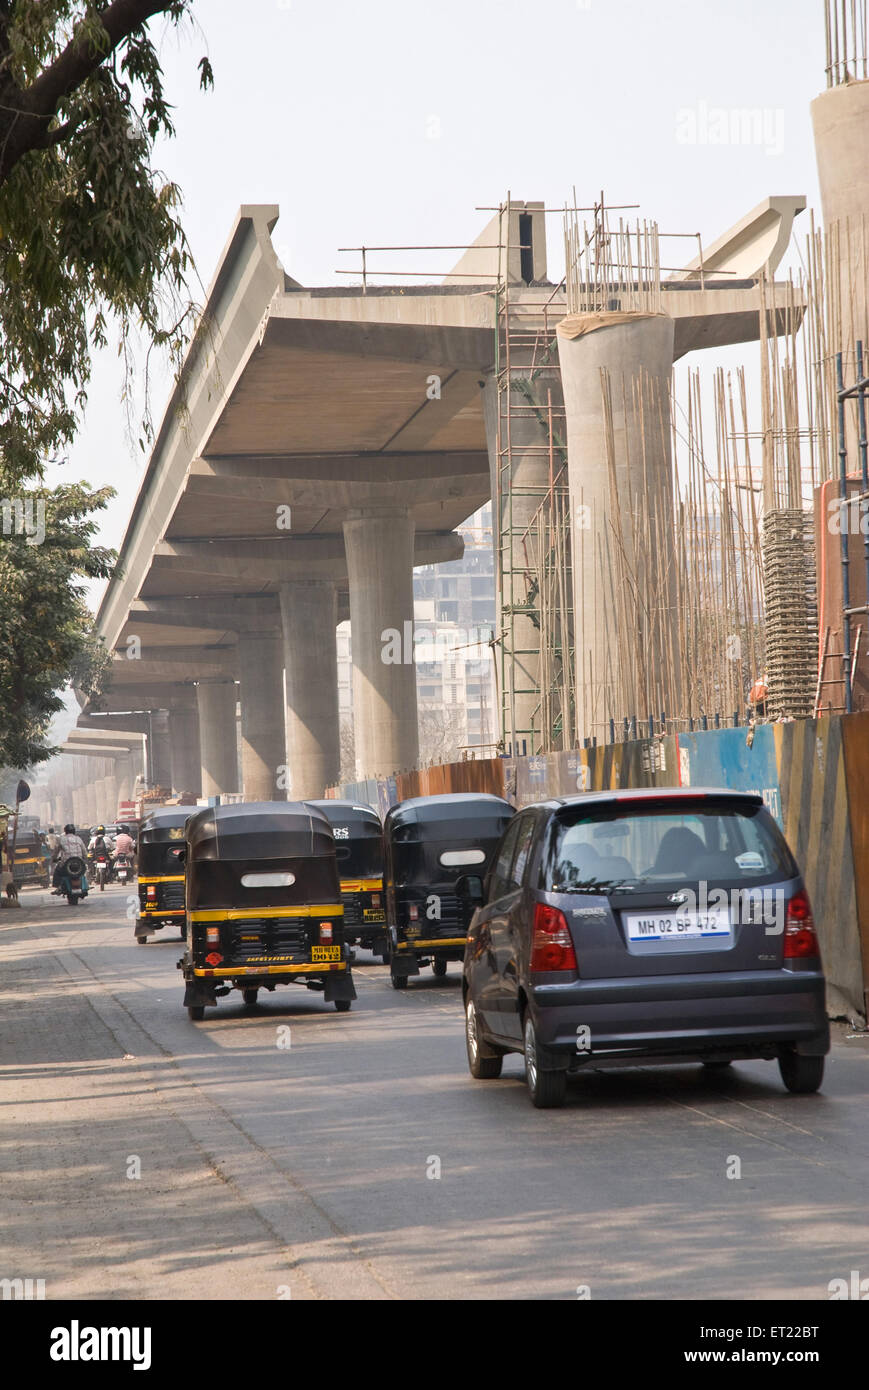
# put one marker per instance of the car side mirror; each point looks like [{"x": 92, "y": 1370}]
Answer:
[{"x": 469, "y": 887}]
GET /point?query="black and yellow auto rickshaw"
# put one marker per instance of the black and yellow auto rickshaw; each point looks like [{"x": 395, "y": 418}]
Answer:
[
  {"x": 30, "y": 864},
  {"x": 430, "y": 842},
  {"x": 263, "y": 904},
  {"x": 161, "y": 871},
  {"x": 359, "y": 850}
]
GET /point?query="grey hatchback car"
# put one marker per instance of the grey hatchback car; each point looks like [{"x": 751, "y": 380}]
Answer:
[{"x": 635, "y": 926}]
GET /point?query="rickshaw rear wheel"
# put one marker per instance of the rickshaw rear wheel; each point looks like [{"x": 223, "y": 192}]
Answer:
[
  {"x": 399, "y": 982},
  {"x": 439, "y": 967},
  {"x": 196, "y": 1012},
  {"x": 141, "y": 940},
  {"x": 249, "y": 996},
  {"x": 343, "y": 1005}
]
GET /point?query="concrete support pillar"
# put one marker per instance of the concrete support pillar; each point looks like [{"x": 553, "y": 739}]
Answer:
[
  {"x": 159, "y": 749},
  {"x": 185, "y": 762},
  {"x": 380, "y": 543},
  {"x": 623, "y": 642},
  {"x": 263, "y": 741},
  {"x": 78, "y": 809},
  {"x": 840, "y": 117},
  {"x": 125, "y": 777},
  {"x": 110, "y": 798},
  {"x": 309, "y": 617},
  {"x": 218, "y": 739},
  {"x": 89, "y": 803}
]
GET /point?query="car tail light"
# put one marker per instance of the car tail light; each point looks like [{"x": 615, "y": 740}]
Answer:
[
  {"x": 214, "y": 958},
  {"x": 325, "y": 933},
  {"x": 552, "y": 947},
  {"x": 151, "y": 891},
  {"x": 413, "y": 912},
  {"x": 800, "y": 935},
  {"x": 212, "y": 936},
  {"x": 375, "y": 899}
]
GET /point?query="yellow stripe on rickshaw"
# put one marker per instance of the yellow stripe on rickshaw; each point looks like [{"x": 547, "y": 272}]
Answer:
[
  {"x": 312, "y": 968},
  {"x": 438, "y": 941},
  {"x": 241, "y": 914},
  {"x": 362, "y": 885},
  {"x": 163, "y": 878}
]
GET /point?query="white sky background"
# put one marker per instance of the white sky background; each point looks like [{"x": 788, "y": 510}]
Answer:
[{"x": 387, "y": 122}]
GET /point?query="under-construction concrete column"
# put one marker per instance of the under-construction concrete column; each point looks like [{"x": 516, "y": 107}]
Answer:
[
  {"x": 261, "y": 692},
  {"x": 309, "y": 615},
  {"x": 218, "y": 737},
  {"x": 616, "y": 381},
  {"x": 185, "y": 765},
  {"x": 840, "y": 117},
  {"x": 379, "y": 543}
]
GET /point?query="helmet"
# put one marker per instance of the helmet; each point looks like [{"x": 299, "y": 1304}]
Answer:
[
  {"x": 69, "y": 830},
  {"x": 101, "y": 830}
]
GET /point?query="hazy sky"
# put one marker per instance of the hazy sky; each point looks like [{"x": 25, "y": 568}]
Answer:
[{"x": 388, "y": 122}]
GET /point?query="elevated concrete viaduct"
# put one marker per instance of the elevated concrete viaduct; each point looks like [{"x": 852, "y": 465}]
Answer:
[{"x": 319, "y": 445}]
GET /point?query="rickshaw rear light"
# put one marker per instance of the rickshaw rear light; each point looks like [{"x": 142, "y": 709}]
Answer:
[
  {"x": 552, "y": 946},
  {"x": 413, "y": 912},
  {"x": 212, "y": 936},
  {"x": 326, "y": 932},
  {"x": 151, "y": 891},
  {"x": 213, "y": 958},
  {"x": 375, "y": 899}
]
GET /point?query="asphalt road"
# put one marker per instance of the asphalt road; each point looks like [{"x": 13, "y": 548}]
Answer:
[{"x": 354, "y": 1156}]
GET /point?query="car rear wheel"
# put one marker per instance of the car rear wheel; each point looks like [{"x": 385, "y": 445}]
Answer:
[
  {"x": 439, "y": 967},
  {"x": 801, "y": 1075},
  {"x": 547, "y": 1089},
  {"x": 484, "y": 1063}
]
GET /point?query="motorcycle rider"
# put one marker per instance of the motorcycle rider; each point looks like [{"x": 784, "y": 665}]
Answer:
[
  {"x": 123, "y": 846},
  {"x": 69, "y": 845},
  {"x": 98, "y": 849}
]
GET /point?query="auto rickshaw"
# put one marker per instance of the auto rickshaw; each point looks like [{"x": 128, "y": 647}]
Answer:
[
  {"x": 430, "y": 842},
  {"x": 359, "y": 850},
  {"x": 161, "y": 871},
  {"x": 30, "y": 864},
  {"x": 263, "y": 905}
]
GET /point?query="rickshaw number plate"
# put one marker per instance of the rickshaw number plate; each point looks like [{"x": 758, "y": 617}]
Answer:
[
  {"x": 373, "y": 914},
  {"x": 323, "y": 953}
]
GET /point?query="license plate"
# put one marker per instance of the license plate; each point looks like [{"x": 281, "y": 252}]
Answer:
[
  {"x": 373, "y": 914},
  {"x": 324, "y": 953},
  {"x": 675, "y": 926}
]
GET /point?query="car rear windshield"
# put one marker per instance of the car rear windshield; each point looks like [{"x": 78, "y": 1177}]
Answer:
[{"x": 634, "y": 847}]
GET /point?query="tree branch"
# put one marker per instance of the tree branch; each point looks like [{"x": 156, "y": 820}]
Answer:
[{"x": 38, "y": 103}]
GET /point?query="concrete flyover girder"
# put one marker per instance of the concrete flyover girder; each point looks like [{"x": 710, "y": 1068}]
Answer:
[
  {"x": 160, "y": 664},
  {"x": 131, "y": 741},
  {"x": 753, "y": 245},
  {"x": 281, "y": 561}
]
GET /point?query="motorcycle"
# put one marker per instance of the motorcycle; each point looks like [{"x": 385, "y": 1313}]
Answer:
[
  {"x": 73, "y": 882},
  {"x": 102, "y": 871},
  {"x": 123, "y": 868}
]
